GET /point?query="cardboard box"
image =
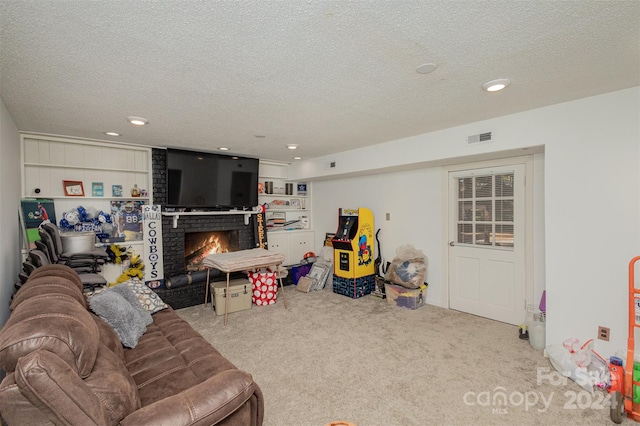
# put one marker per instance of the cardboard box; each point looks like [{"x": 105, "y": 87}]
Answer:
[
  {"x": 239, "y": 292},
  {"x": 409, "y": 298}
]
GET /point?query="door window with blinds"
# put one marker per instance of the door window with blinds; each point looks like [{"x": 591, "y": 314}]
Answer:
[{"x": 485, "y": 210}]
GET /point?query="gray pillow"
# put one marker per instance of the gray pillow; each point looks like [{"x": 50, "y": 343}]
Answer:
[
  {"x": 120, "y": 315},
  {"x": 125, "y": 291}
]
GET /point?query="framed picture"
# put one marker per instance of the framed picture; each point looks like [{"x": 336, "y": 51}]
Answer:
[
  {"x": 318, "y": 275},
  {"x": 34, "y": 213},
  {"x": 302, "y": 188},
  {"x": 116, "y": 190},
  {"x": 126, "y": 217},
  {"x": 73, "y": 188},
  {"x": 295, "y": 203},
  {"x": 97, "y": 189}
]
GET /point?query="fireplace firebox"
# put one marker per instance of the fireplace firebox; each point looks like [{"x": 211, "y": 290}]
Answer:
[{"x": 199, "y": 245}]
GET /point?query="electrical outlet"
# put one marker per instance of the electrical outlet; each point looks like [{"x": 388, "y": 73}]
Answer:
[{"x": 603, "y": 333}]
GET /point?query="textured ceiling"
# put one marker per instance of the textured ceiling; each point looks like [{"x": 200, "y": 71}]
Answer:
[{"x": 326, "y": 75}]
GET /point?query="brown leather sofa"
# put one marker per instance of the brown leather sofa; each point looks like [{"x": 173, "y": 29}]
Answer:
[{"x": 66, "y": 366}]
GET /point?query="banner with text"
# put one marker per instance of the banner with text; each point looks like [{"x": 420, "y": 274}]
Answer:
[{"x": 153, "y": 268}]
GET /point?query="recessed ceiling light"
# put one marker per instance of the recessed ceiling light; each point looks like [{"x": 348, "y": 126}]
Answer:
[
  {"x": 297, "y": 158},
  {"x": 495, "y": 85},
  {"x": 138, "y": 121},
  {"x": 223, "y": 148},
  {"x": 292, "y": 146},
  {"x": 427, "y": 68},
  {"x": 112, "y": 134}
]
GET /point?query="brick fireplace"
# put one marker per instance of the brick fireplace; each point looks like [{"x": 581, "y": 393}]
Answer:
[{"x": 173, "y": 239}]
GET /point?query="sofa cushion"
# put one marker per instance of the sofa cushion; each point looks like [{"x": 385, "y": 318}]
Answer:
[
  {"x": 57, "y": 323},
  {"x": 45, "y": 284},
  {"x": 57, "y": 391},
  {"x": 112, "y": 384},
  {"x": 171, "y": 357},
  {"x": 57, "y": 270},
  {"x": 230, "y": 396},
  {"x": 108, "y": 337},
  {"x": 15, "y": 407},
  {"x": 120, "y": 315}
]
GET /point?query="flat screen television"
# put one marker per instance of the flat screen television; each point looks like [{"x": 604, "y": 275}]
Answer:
[{"x": 211, "y": 181}]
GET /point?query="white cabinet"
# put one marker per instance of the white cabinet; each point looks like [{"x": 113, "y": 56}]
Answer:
[
  {"x": 300, "y": 243},
  {"x": 292, "y": 244},
  {"x": 279, "y": 242}
]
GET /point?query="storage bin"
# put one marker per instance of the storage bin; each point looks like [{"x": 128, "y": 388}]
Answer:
[
  {"x": 265, "y": 288},
  {"x": 239, "y": 295},
  {"x": 537, "y": 335},
  {"x": 409, "y": 298},
  {"x": 78, "y": 242},
  {"x": 300, "y": 271}
]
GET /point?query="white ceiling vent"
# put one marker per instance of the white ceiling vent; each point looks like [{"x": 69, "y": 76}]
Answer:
[{"x": 481, "y": 137}]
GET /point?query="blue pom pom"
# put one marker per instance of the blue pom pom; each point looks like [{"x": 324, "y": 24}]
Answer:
[{"x": 82, "y": 213}]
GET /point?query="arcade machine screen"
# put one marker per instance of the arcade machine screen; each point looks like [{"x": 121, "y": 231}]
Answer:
[{"x": 346, "y": 232}]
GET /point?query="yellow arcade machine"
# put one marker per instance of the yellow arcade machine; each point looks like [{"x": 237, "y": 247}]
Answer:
[{"x": 353, "y": 257}]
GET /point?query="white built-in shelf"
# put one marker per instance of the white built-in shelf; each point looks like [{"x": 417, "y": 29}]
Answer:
[
  {"x": 47, "y": 161},
  {"x": 66, "y": 197},
  {"x": 293, "y": 243},
  {"x": 276, "y": 196},
  {"x": 283, "y": 230},
  {"x": 270, "y": 210},
  {"x": 176, "y": 215},
  {"x": 63, "y": 166}
]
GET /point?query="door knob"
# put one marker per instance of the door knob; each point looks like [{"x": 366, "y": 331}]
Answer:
[{"x": 451, "y": 243}]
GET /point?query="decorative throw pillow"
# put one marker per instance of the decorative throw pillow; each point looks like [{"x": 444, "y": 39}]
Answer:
[
  {"x": 126, "y": 292},
  {"x": 147, "y": 297},
  {"x": 120, "y": 315}
]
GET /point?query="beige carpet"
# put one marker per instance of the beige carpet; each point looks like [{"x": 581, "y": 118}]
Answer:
[{"x": 328, "y": 357}]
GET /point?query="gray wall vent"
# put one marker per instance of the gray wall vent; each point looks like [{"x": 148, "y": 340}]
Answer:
[{"x": 481, "y": 137}]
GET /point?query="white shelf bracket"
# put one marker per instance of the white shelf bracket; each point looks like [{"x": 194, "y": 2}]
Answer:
[{"x": 176, "y": 216}]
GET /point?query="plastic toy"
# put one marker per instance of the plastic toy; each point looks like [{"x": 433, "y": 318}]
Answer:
[{"x": 622, "y": 394}]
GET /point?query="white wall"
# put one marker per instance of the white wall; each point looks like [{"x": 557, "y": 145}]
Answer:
[
  {"x": 591, "y": 200},
  {"x": 10, "y": 257},
  {"x": 412, "y": 200}
]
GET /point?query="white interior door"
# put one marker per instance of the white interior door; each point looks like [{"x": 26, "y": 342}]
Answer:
[{"x": 487, "y": 270}]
